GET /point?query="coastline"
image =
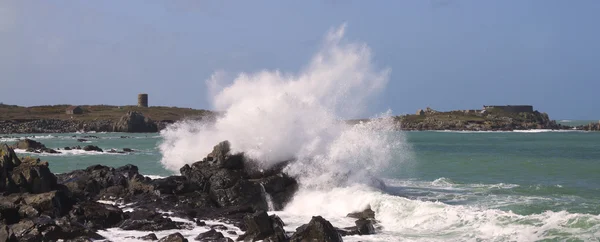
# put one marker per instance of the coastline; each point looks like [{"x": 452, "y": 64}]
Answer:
[{"x": 103, "y": 118}]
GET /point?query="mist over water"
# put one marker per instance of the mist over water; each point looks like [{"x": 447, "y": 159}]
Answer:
[{"x": 273, "y": 116}]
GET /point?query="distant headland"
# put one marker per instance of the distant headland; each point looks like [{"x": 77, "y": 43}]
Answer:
[{"x": 145, "y": 118}]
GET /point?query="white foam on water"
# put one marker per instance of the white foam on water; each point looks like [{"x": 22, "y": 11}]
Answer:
[
  {"x": 412, "y": 220},
  {"x": 73, "y": 152},
  {"x": 116, "y": 234}
]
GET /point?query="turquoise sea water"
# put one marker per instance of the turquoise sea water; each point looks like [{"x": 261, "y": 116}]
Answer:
[{"x": 525, "y": 173}]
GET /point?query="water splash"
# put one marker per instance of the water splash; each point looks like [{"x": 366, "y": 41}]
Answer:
[{"x": 274, "y": 116}]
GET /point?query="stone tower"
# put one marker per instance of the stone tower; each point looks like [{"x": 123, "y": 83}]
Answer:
[{"x": 143, "y": 100}]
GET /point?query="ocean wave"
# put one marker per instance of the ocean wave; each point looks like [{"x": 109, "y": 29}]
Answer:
[{"x": 414, "y": 220}]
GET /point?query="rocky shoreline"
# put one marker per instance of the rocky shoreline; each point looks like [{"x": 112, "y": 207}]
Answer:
[
  {"x": 131, "y": 122},
  {"x": 37, "y": 205},
  {"x": 136, "y": 122}
]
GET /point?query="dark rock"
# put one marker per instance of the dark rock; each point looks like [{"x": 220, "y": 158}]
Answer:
[
  {"x": 127, "y": 150},
  {"x": 200, "y": 223},
  {"x": 231, "y": 232},
  {"x": 26, "y": 211},
  {"x": 87, "y": 184},
  {"x": 54, "y": 203},
  {"x": 259, "y": 226},
  {"x": 6, "y": 234},
  {"x": 211, "y": 236},
  {"x": 96, "y": 215},
  {"x": 25, "y": 144},
  {"x": 67, "y": 148},
  {"x": 176, "y": 237},
  {"x": 147, "y": 220},
  {"x": 92, "y": 148},
  {"x": 9, "y": 214},
  {"x": 365, "y": 214},
  {"x": 32, "y": 176},
  {"x": 150, "y": 236},
  {"x": 82, "y": 140},
  {"x": 135, "y": 122},
  {"x": 365, "y": 226},
  {"x": 49, "y": 151},
  {"x": 318, "y": 229}
]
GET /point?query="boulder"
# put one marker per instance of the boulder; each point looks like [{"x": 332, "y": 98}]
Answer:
[
  {"x": 54, "y": 203},
  {"x": 368, "y": 213},
  {"x": 92, "y": 148},
  {"x": 25, "y": 144},
  {"x": 6, "y": 234},
  {"x": 176, "y": 237},
  {"x": 96, "y": 215},
  {"x": 127, "y": 150},
  {"x": 89, "y": 183},
  {"x": 318, "y": 229},
  {"x": 212, "y": 236},
  {"x": 259, "y": 226},
  {"x": 135, "y": 122},
  {"x": 33, "y": 176},
  {"x": 365, "y": 226},
  {"x": 151, "y": 236},
  {"x": 148, "y": 220},
  {"x": 47, "y": 229},
  {"x": 9, "y": 213}
]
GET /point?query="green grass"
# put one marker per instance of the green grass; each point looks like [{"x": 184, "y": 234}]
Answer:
[{"x": 92, "y": 112}]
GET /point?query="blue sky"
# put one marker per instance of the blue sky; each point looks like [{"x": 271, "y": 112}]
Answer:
[{"x": 445, "y": 54}]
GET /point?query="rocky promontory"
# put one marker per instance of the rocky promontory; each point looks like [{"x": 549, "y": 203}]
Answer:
[
  {"x": 490, "y": 119},
  {"x": 37, "y": 205}
]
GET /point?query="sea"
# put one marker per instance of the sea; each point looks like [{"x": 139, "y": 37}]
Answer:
[{"x": 536, "y": 185}]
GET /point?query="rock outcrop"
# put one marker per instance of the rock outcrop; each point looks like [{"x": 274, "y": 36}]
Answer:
[
  {"x": 36, "y": 205},
  {"x": 135, "y": 122},
  {"x": 318, "y": 229}
]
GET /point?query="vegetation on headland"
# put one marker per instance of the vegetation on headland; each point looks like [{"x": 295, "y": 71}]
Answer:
[
  {"x": 478, "y": 120},
  {"x": 97, "y": 112},
  {"x": 54, "y": 119}
]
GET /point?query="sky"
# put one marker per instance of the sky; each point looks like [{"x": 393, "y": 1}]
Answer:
[{"x": 445, "y": 54}]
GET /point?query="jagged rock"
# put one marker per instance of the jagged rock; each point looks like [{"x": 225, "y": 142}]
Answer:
[
  {"x": 212, "y": 236},
  {"x": 368, "y": 213},
  {"x": 46, "y": 229},
  {"x": 25, "y": 144},
  {"x": 26, "y": 211},
  {"x": 9, "y": 213},
  {"x": 147, "y": 220},
  {"x": 92, "y": 148},
  {"x": 67, "y": 148},
  {"x": 32, "y": 176},
  {"x": 127, "y": 150},
  {"x": 259, "y": 226},
  {"x": 89, "y": 183},
  {"x": 318, "y": 229},
  {"x": 96, "y": 215},
  {"x": 54, "y": 203},
  {"x": 6, "y": 234},
  {"x": 173, "y": 185},
  {"x": 151, "y": 236},
  {"x": 176, "y": 237},
  {"x": 365, "y": 226},
  {"x": 135, "y": 122}
]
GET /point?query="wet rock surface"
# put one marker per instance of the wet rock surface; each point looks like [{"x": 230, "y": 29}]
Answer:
[{"x": 37, "y": 205}]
